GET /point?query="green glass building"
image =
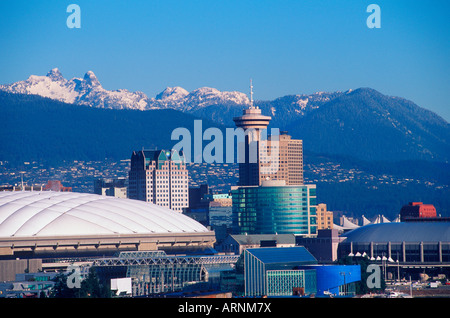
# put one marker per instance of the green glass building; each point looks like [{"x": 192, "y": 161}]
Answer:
[{"x": 273, "y": 208}]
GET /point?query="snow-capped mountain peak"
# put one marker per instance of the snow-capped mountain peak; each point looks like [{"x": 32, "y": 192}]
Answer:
[
  {"x": 80, "y": 91},
  {"x": 91, "y": 80},
  {"x": 207, "y": 96},
  {"x": 180, "y": 99},
  {"x": 88, "y": 91},
  {"x": 55, "y": 75},
  {"x": 172, "y": 93}
]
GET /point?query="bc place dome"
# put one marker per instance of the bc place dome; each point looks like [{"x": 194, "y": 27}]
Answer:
[{"x": 46, "y": 221}]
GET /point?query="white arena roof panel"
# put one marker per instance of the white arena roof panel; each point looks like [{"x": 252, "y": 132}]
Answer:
[{"x": 45, "y": 214}]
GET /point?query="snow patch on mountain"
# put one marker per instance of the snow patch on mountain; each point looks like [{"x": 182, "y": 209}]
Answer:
[
  {"x": 80, "y": 91},
  {"x": 172, "y": 94},
  {"x": 207, "y": 96},
  {"x": 88, "y": 91},
  {"x": 53, "y": 86}
]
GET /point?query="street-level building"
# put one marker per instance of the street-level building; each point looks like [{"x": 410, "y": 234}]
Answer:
[{"x": 270, "y": 271}]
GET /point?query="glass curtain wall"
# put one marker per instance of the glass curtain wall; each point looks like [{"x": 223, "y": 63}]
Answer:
[{"x": 269, "y": 210}]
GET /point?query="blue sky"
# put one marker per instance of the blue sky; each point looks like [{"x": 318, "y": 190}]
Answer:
[{"x": 286, "y": 47}]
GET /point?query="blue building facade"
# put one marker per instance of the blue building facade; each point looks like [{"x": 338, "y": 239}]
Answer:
[
  {"x": 336, "y": 280},
  {"x": 286, "y": 271},
  {"x": 270, "y": 271}
]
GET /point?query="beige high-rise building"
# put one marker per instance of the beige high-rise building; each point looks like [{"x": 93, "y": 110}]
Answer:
[
  {"x": 289, "y": 166},
  {"x": 160, "y": 177},
  {"x": 324, "y": 217}
]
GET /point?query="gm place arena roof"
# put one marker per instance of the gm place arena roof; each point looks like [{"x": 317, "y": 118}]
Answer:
[
  {"x": 46, "y": 222},
  {"x": 400, "y": 232}
]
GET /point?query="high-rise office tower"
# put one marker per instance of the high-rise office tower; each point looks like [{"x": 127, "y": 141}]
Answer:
[
  {"x": 284, "y": 163},
  {"x": 273, "y": 158},
  {"x": 160, "y": 177}
]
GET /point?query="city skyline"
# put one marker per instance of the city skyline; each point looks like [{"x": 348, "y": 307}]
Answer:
[
  {"x": 298, "y": 217},
  {"x": 294, "y": 47}
]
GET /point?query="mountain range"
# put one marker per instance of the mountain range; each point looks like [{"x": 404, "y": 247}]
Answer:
[
  {"x": 88, "y": 91},
  {"x": 361, "y": 123},
  {"x": 205, "y": 102}
]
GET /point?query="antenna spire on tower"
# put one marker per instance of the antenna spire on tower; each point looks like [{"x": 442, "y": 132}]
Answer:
[{"x": 251, "y": 94}]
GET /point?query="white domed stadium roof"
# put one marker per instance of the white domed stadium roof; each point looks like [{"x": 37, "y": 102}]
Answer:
[{"x": 47, "y": 214}]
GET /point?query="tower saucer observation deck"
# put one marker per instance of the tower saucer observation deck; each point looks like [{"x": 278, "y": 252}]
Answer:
[
  {"x": 252, "y": 117},
  {"x": 252, "y": 122}
]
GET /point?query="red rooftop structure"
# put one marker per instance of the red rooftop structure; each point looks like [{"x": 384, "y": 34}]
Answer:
[
  {"x": 417, "y": 210},
  {"x": 56, "y": 185}
]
